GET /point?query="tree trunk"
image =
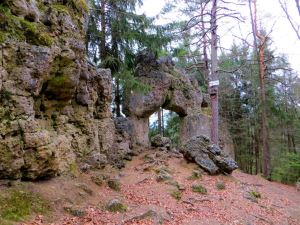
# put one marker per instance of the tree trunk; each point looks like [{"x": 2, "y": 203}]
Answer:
[
  {"x": 102, "y": 49},
  {"x": 205, "y": 55},
  {"x": 118, "y": 98},
  {"x": 262, "y": 70},
  {"x": 214, "y": 75},
  {"x": 162, "y": 122},
  {"x": 159, "y": 121}
]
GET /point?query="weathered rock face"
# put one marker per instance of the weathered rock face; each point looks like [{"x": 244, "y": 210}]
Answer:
[
  {"x": 209, "y": 157},
  {"x": 54, "y": 106},
  {"x": 170, "y": 89}
]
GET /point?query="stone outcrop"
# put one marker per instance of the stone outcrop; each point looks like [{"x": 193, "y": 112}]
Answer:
[
  {"x": 172, "y": 89},
  {"x": 209, "y": 157},
  {"x": 54, "y": 106}
]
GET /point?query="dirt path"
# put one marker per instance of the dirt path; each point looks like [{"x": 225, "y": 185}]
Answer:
[{"x": 150, "y": 202}]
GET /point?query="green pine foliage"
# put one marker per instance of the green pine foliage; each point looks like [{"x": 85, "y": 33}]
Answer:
[
  {"x": 173, "y": 127},
  {"x": 116, "y": 33},
  {"x": 287, "y": 169}
]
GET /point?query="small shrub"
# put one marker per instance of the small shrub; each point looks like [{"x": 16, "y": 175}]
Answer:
[
  {"x": 220, "y": 185},
  {"x": 195, "y": 175},
  {"x": 176, "y": 194},
  {"x": 199, "y": 189}
]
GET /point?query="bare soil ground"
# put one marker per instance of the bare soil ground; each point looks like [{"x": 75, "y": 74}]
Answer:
[{"x": 150, "y": 202}]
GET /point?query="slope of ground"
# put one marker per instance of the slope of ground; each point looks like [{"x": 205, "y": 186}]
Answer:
[{"x": 157, "y": 187}]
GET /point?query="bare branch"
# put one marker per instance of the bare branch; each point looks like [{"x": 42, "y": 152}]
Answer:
[{"x": 285, "y": 10}]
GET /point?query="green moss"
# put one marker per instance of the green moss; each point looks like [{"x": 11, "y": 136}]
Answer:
[
  {"x": 80, "y": 5},
  {"x": 176, "y": 194},
  {"x": 199, "y": 189},
  {"x": 4, "y": 8},
  {"x": 5, "y": 95},
  {"x": 114, "y": 184},
  {"x": 17, "y": 205},
  {"x": 220, "y": 185},
  {"x": 3, "y": 37},
  {"x": 116, "y": 206},
  {"x": 19, "y": 29},
  {"x": 255, "y": 194},
  {"x": 61, "y": 8},
  {"x": 45, "y": 39},
  {"x": 73, "y": 169},
  {"x": 58, "y": 81},
  {"x": 41, "y": 6}
]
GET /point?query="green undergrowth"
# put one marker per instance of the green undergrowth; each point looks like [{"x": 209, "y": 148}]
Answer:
[
  {"x": 17, "y": 205},
  {"x": 287, "y": 168},
  {"x": 176, "y": 194},
  {"x": 195, "y": 175},
  {"x": 255, "y": 194},
  {"x": 199, "y": 189}
]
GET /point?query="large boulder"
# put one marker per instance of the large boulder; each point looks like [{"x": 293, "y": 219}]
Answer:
[{"x": 208, "y": 156}]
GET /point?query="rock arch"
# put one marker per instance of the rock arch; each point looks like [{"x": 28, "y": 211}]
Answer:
[{"x": 171, "y": 89}]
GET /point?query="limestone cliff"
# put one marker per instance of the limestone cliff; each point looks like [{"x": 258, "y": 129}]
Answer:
[{"x": 54, "y": 106}]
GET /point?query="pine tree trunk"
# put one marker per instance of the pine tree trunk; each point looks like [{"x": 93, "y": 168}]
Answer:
[
  {"x": 159, "y": 121},
  {"x": 214, "y": 75},
  {"x": 162, "y": 122},
  {"x": 205, "y": 55},
  {"x": 264, "y": 126},
  {"x": 102, "y": 46},
  {"x": 118, "y": 98},
  {"x": 262, "y": 69}
]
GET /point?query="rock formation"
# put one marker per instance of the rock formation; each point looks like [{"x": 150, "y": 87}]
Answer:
[
  {"x": 54, "y": 106},
  {"x": 172, "y": 89},
  {"x": 209, "y": 157}
]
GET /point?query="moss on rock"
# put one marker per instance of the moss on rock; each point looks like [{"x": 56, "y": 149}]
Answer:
[
  {"x": 116, "y": 205},
  {"x": 80, "y": 5},
  {"x": 17, "y": 28}
]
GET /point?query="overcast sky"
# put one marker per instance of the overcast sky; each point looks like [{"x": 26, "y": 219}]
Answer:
[{"x": 284, "y": 38}]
